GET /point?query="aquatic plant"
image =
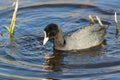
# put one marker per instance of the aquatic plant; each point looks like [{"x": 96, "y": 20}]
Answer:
[
  {"x": 116, "y": 21},
  {"x": 11, "y": 28},
  {"x": 93, "y": 22},
  {"x": 91, "y": 19},
  {"x": 99, "y": 21}
]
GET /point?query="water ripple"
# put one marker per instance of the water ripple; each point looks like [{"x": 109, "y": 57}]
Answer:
[{"x": 27, "y": 58}]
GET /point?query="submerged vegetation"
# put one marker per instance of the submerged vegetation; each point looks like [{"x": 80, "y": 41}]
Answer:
[{"x": 11, "y": 28}]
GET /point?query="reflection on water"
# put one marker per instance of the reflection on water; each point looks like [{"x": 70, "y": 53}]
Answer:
[
  {"x": 24, "y": 57},
  {"x": 55, "y": 62}
]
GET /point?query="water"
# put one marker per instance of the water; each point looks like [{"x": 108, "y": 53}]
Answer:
[{"x": 26, "y": 58}]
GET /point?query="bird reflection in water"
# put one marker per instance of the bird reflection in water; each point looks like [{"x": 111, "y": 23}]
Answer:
[{"x": 54, "y": 63}]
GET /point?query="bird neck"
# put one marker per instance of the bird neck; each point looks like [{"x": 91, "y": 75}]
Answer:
[{"x": 59, "y": 40}]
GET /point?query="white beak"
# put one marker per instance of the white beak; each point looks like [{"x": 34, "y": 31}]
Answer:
[{"x": 45, "y": 38}]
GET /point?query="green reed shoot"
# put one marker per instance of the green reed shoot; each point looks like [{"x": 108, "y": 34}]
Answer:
[{"x": 13, "y": 21}]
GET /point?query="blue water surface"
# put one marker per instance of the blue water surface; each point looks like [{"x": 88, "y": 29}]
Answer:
[{"x": 25, "y": 58}]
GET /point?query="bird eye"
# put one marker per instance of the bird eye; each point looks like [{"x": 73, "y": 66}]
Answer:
[{"x": 48, "y": 33}]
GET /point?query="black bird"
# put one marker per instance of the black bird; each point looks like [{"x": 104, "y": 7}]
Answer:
[{"x": 84, "y": 38}]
